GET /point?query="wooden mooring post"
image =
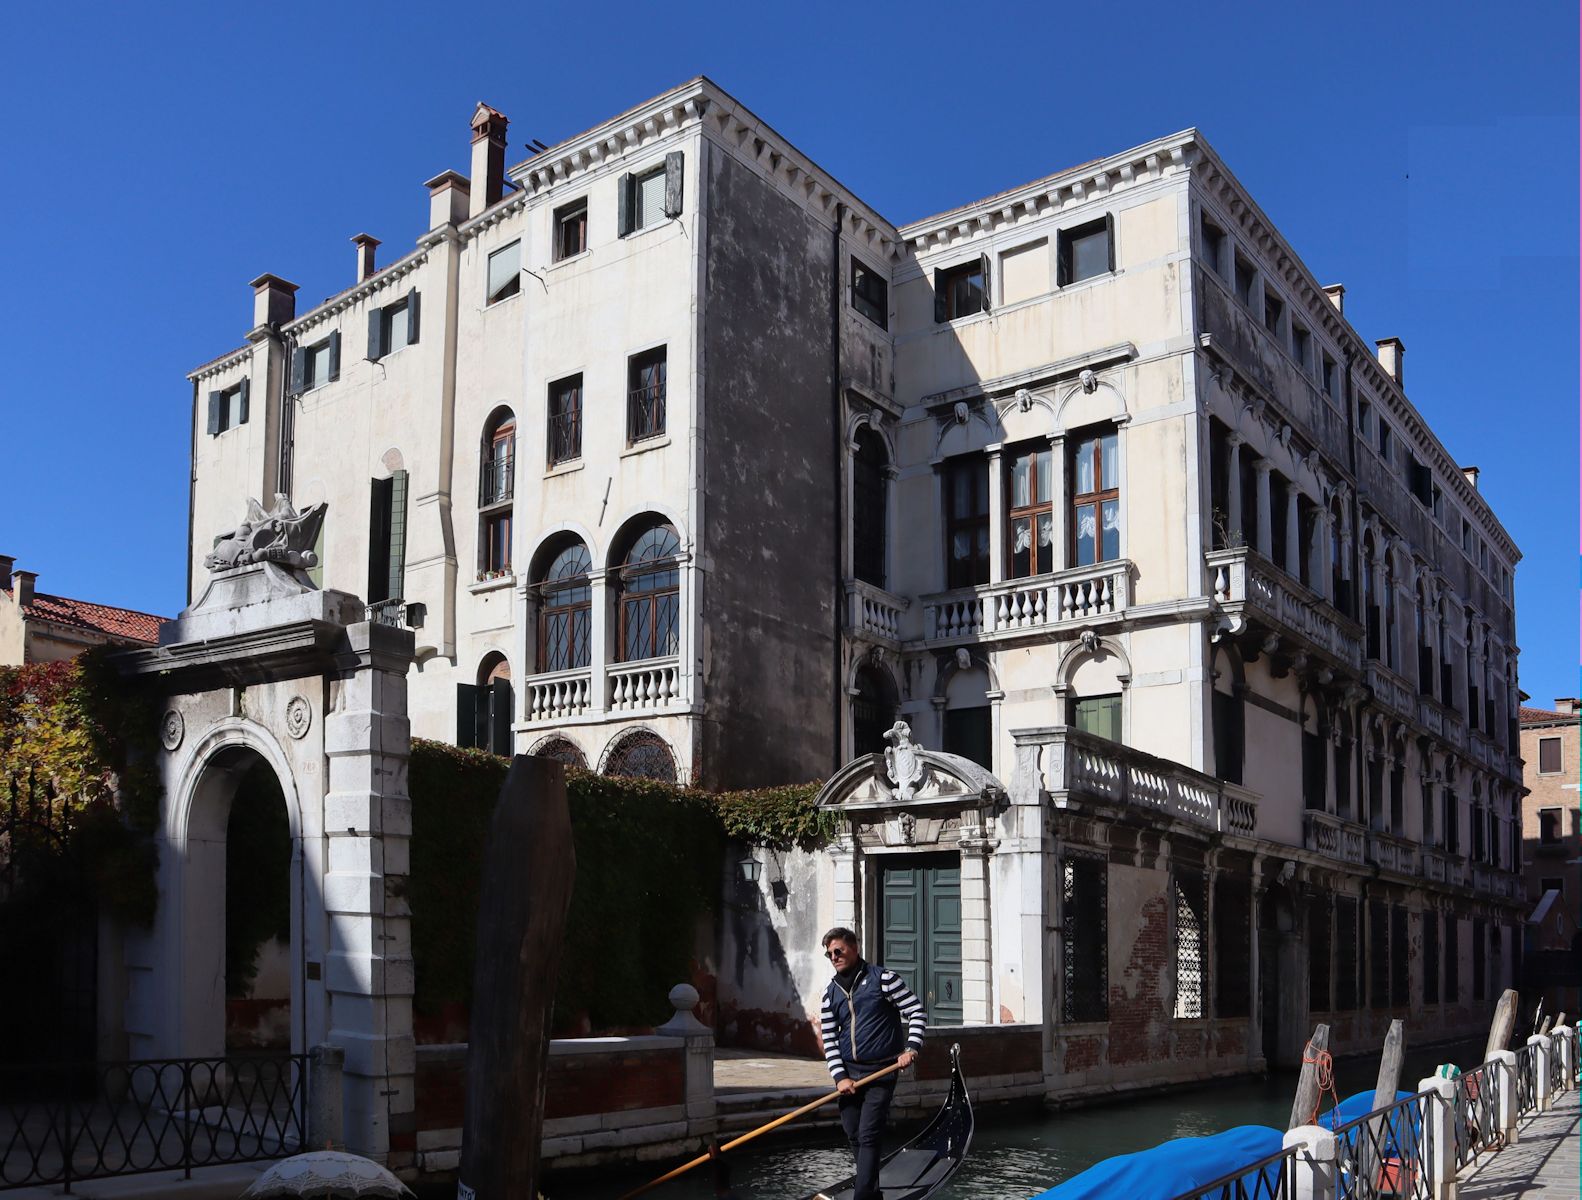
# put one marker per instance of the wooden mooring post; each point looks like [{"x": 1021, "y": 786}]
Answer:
[
  {"x": 1504, "y": 1022},
  {"x": 528, "y": 868},
  {"x": 1307, "y": 1087},
  {"x": 1384, "y": 1095}
]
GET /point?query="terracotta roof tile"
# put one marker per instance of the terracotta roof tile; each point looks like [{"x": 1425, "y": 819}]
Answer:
[
  {"x": 123, "y": 624},
  {"x": 1544, "y": 716}
]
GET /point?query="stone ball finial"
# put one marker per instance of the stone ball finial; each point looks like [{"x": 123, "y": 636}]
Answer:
[{"x": 683, "y": 998}]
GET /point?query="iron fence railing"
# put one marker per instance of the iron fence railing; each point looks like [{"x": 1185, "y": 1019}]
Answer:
[
  {"x": 1557, "y": 1066},
  {"x": 1526, "y": 1080},
  {"x": 498, "y": 481},
  {"x": 1477, "y": 1113},
  {"x": 565, "y": 436},
  {"x": 63, "y": 1123},
  {"x": 645, "y": 412},
  {"x": 1271, "y": 1178},
  {"x": 1383, "y": 1153}
]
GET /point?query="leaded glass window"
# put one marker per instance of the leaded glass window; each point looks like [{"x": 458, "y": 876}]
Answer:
[
  {"x": 642, "y": 755},
  {"x": 565, "y": 612},
  {"x": 650, "y": 596}
]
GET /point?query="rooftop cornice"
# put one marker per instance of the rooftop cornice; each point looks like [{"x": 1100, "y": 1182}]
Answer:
[
  {"x": 1074, "y": 185},
  {"x": 395, "y": 272},
  {"x": 1256, "y": 227},
  {"x": 215, "y": 366}
]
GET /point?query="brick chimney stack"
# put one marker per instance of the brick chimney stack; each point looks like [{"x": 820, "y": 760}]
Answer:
[
  {"x": 447, "y": 199},
  {"x": 366, "y": 244},
  {"x": 274, "y": 300},
  {"x": 23, "y": 582},
  {"x": 1571, "y": 705},
  {"x": 488, "y": 158},
  {"x": 1392, "y": 357}
]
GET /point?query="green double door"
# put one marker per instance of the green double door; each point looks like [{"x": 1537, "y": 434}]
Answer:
[{"x": 920, "y": 919}]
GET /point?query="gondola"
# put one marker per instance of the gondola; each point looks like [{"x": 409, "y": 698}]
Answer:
[{"x": 926, "y": 1163}]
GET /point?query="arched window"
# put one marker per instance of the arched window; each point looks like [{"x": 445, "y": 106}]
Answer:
[
  {"x": 873, "y": 710},
  {"x": 565, "y": 610},
  {"x": 649, "y": 596},
  {"x": 868, "y": 502},
  {"x": 496, "y": 485},
  {"x": 1370, "y": 605},
  {"x": 1390, "y": 627},
  {"x": 562, "y": 750},
  {"x": 642, "y": 755}
]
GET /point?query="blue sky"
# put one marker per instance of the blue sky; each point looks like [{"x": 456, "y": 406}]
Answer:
[{"x": 160, "y": 156}]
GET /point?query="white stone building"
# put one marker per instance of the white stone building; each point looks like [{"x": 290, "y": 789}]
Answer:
[{"x": 679, "y": 459}]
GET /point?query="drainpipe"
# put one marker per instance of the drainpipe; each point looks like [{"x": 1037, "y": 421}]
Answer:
[
  {"x": 192, "y": 484},
  {"x": 837, "y": 706},
  {"x": 1359, "y": 755}
]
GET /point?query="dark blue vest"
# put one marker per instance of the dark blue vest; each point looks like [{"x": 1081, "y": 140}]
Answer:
[{"x": 867, "y": 1025}]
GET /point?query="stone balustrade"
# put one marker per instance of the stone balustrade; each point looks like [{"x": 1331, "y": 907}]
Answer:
[
  {"x": 1073, "y": 768},
  {"x": 1392, "y": 853},
  {"x": 645, "y": 686},
  {"x": 1435, "y": 867},
  {"x": 1244, "y": 583},
  {"x": 1334, "y": 836},
  {"x": 1008, "y": 609},
  {"x": 873, "y": 612},
  {"x": 557, "y": 695}
]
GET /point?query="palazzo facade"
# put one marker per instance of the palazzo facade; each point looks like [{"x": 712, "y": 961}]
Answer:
[{"x": 1084, "y": 500}]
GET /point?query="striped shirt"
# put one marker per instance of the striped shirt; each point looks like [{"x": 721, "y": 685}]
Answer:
[{"x": 843, "y": 1043}]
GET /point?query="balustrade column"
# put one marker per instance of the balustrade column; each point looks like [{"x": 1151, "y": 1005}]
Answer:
[
  {"x": 996, "y": 519},
  {"x": 599, "y": 641},
  {"x": 1234, "y": 524},
  {"x": 1261, "y": 469}
]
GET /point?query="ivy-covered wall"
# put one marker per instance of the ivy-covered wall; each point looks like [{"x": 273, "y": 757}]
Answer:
[{"x": 648, "y": 869}]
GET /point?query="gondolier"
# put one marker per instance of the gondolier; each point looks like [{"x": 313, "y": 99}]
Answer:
[{"x": 870, "y": 1020}]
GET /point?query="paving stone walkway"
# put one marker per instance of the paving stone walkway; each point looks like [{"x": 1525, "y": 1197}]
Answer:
[
  {"x": 738, "y": 1071},
  {"x": 1546, "y": 1162}
]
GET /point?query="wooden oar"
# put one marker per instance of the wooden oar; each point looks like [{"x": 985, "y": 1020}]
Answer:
[{"x": 762, "y": 1129}]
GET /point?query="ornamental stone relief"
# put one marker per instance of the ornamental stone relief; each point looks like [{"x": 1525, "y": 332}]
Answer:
[
  {"x": 172, "y": 728},
  {"x": 299, "y": 717}
]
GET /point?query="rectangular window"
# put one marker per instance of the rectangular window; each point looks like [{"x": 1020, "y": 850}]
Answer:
[
  {"x": 649, "y": 192},
  {"x": 1085, "y": 936},
  {"x": 969, "y": 732},
  {"x": 1549, "y": 826},
  {"x": 645, "y": 397},
  {"x": 1232, "y": 947},
  {"x": 1549, "y": 756},
  {"x": 1319, "y": 943},
  {"x": 1229, "y": 736},
  {"x": 1086, "y": 251},
  {"x": 1191, "y": 899},
  {"x": 228, "y": 408},
  {"x": 1331, "y": 378},
  {"x": 1378, "y": 955},
  {"x": 1314, "y": 773},
  {"x": 319, "y": 363},
  {"x": 1030, "y": 513},
  {"x": 961, "y": 291},
  {"x": 870, "y": 294},
  {"x": 1098, "y": 715},
  {"x": 1452, "y": 960},
  {"x": 1430, "y": 957},
  {"x": 571, "y": 229},
  {"x": 387, "y": 538},
  {"x": 1348, "y": 962},
  {"x": 1246, "y": 282},
  {"x": 494, "y": 558},
  {"x": 651, "y": 197},
  {"x": 505, "y": 273},
  {"x": 1480, "y": 957},
  {"x": 393, "y": 326},
  {"x": 483, "y": 716},
  {"x": 1400, "y": 958},
  {"x": 1420, "y": 480},
  {"x": 967, "y": 522},
  {"x": 565, "y": 420},
  {"x": 1095, "y": 500},
  {"x": 1301, "y": 346},
  {"x": 1273, "y": 311},
  {"x": 1213, "y": 239},
  {"x": 1386, "y": 443}
]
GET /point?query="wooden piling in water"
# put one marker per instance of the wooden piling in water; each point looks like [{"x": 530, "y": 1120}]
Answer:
[
  {"x": 1390, "y": 1065},
  {"x": 1307, "y": 1087},
  {"x": 1548, "y": 1024},
  {"x": 1504, "y": 1022}
]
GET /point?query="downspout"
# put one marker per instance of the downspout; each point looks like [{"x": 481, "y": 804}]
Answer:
[
  {"x": 837, "y": 574},
  {"x": 192, "y": 485},
  {"x": 1359, "y": 754}
]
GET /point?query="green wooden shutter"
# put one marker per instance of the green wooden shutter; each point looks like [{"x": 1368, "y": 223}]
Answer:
[
  {"x": 500, "y": 716},
  {"x": 397, "y": 524},
  {"x": 1109, "y": 237},
  {"x": 376, "y": 334},
  {"x": 673, "y": 162},
  {"x": 299, "y": 370},
  {"x": 411, "y": 317},
  {"x": 983, "y": 268},
  {"x": 242, "y": 391},
  {"x": 466, "y": 715},
  {"x": 216, "y": 412},
  {"x": 939, "y": 298},
  {"x": 378, "y": 540},
  {"x": 335, "y": 355},
  {"x": 624, "y": 206}
]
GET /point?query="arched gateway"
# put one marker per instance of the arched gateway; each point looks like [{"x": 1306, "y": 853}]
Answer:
[{"x": 270, "y": 683}]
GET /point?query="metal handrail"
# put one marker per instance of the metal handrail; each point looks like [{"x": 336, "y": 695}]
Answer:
[
  {"x": 1477, "y": 1105},
  {"x": 645, "y": 412},
  {"x": 1381, "y": 1153},
  {"x": 497, "y": 480},
  {"x": 1234, "y": 1185}
]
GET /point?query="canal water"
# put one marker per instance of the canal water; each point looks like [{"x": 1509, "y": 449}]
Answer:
[{"x": 1017, "y": 1151}]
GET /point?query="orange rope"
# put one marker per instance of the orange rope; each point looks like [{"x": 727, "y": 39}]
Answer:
[{"x": 1324, "y": 1065}]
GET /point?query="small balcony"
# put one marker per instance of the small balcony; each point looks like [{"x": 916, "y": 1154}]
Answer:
[
  {"x": 559, "y": 695},
  {"x": 1391, "y": 853},
  {"x": 498, "y": 481},
  {"x": 1391, "y": 690},
  {"x": 1075, "y": 769},
  {"x": 647, "y": 686},
  {"x": 1016, "y": 607},
  {"x": 874, "y": 613},
  {"x": 645, "y": 413},
  {"x": 1245, "y": 584},
  {"x": 1334, "y": 837}
]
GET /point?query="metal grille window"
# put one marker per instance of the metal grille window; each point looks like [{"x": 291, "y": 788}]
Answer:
[
  {"x": 565, "y": 420},
  {"x": 642, "y": 755},
  {"x": 967, "y": 522},
  {"x": 1320, "y": 943},
  {"x": 1347, "y": 961},
  {"x": 1431, "y": 957},
  {"x": 1085, "y": 936},
  {"x": 645, "y": 399},
  {"x": 1378, "y": 955},
  {"x": 1030, "y": 513},
  {"x": 869, "y": 505},
  {"x": 1232, "y": 947},
  {"x": 1095, "y": 500},
  {"x": 650, "y": 596},
  {"x": 1399, "y": 962},
  {"x": 565, "y": 613},
  {"x": 1191, "y": 921},
  {"x": 562, "y": 751}
]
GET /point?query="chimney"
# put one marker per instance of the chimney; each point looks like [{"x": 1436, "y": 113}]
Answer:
[
  {"x": 1337, "y": 296},
  {"x": 7, "y": 561},
  {"x": 274, "y": 300},
  {"x": 24, "y": 581},
  {"x": 1472, "y": 474},
  {"x": 1392, "y": 357},
  {"x": 488, "y": 157},
  {"x": 1571, "y": 706},
  {"x": 366, "y": 244},
  {"x": 447, "y": 199}
]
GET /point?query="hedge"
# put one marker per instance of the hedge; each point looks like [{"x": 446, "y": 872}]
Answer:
[{"x": 648, "y": 870}]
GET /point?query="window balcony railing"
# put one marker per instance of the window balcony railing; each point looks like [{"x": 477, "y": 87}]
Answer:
[
  {"x": 1244, "y": 583},
  {"x": 645, "y": 686},
  {"x": 995, "y": 611},
  {"x": 873, "y": 612},
  {"x": 645, "y": 413},
  {"x": 558, "y": 695},
  {"x": 565, "y": 436},
  {"x": 1074, "y": 769},
  {"x": 1334, "y": 836},
  {"x": 498, "y": 483}
]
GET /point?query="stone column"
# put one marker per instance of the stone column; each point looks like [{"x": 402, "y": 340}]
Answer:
[
  {"x": 367, "y": 822},
  {"x": 977, "y": 1000},
  {"x": 1061, "y": 509},
  {"x": 1504, "y": 1063},
  {"x": 701, "y": 1118},
  {"x": 997, "y": 530},
  {"x": 1265, "y": 544},
  {"x": 600, "y": 633},
  {"x": 1293, "y": 531},
  {"x": 325, "y": 1121},
  {"x": 843, "y": 858},
  {"x": 1543, "y": 1047},
  {"x": 1322, "y": 551},
  {"x": 1234, "y": 524},
  {"x": 1314, "y": 1169}
]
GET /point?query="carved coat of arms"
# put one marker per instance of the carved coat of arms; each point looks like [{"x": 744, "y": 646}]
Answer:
[
  {"x": 281, "y": 534},
  {"x": 902, "y": 762}
]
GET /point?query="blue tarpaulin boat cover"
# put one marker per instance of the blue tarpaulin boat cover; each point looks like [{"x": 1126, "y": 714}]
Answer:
[{"x": 1181, "y": 1164}]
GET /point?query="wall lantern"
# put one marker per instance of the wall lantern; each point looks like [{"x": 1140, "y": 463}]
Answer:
[{"x": 751, "y": 869}]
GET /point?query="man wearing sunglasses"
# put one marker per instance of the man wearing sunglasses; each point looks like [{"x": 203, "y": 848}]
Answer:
[{"x": 870, "y": 1019}]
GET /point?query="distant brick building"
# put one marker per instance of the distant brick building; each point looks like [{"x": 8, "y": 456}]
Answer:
[
  {"x": 1551, "y": 742},
  {"x": 38, "y": 627}
]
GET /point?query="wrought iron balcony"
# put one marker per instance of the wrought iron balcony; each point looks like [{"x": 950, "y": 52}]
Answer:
[
  {"x": 498, "y": 482},
  {"x": 565, "y": 436},
  {"x": 1247, "y": 586},
  {"x": 645, "y": 413},
  {"x": 1015, "y": 607},
  {"x": 1075, "y": 769}
]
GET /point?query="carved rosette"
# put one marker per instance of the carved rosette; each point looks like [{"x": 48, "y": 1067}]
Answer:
[
  {"x": 299, "y": 717},
  {"x": 172, "y": 728}
]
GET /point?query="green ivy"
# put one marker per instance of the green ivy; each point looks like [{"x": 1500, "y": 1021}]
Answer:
[{"x": 649, "y": 859}]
